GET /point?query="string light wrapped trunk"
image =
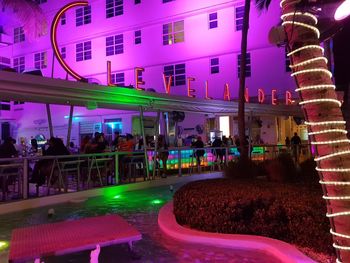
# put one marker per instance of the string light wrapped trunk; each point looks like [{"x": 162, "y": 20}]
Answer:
[{"x": 324, "y": 118}]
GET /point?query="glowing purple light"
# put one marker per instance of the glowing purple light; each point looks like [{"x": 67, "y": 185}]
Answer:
[{"x": 343, "y": 11}]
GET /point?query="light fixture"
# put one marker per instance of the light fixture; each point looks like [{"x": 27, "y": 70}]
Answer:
[{"x": 343, "y": 11}]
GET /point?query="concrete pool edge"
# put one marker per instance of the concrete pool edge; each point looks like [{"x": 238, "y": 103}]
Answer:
[
  {"x": 280, "y": 250},
  {"x": 20, "y": 205}
]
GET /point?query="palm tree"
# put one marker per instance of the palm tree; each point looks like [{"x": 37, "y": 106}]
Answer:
[
  {"x": 261, "y": 4},
  {"x": 30, "y": 14},
  {"x": 323, "y": 117},
  {"x": 241, "y": 98}
]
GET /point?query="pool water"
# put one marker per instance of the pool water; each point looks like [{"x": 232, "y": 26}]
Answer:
[{"x": 140, "y": 208}]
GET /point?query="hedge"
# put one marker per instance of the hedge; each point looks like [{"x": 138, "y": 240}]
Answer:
[{"x": 290, "y": 212}]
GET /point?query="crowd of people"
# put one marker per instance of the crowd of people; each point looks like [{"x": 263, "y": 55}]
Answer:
[{"x": 128, "y": 143}]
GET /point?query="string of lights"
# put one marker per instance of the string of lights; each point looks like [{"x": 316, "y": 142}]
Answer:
[
  {"x": 329, "y": 131},
  {"x": 309, "y": 61},
  {"x": 300, "y": 14},
  {"x": 314, "y": 70},
  {"x": 308, "y": 22},
  {"x": 327, "y": 156},
  {"x": 339, "y": 235},
  {"x": 333, "y": 170},
  {"x": 336, "y": 197},
  {"x": 305, "y": 47},
  {"x": 338, "y": 214},
  {"x": 320, "y": 100},
  {"x": 335, "y": 182},
  {"x": 324, "y": 123},
  {"x": 331, "y": 142},
  {"x": 316, "y": 87},
  {"x": 303, "y": 25}
]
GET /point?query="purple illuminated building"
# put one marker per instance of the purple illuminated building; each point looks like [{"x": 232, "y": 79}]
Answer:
[{"x": 198, "y": 39}]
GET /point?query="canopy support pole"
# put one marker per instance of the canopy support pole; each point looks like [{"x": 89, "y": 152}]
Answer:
[
  {"x": 144, "y": 142},
  {"x": 70, "y": 124},
  {"x": 156, "y": 145},
  {"x": 49, "y": 119}
]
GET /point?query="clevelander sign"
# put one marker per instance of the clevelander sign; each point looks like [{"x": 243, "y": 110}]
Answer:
[{"x": 191, "y": 92}]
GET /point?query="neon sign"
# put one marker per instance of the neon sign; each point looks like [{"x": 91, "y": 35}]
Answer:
[
  {"x": 53, "y": 37},
  {"x": 167, "y": 80}
]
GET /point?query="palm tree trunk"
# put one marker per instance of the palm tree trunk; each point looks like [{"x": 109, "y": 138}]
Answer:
[
  {"x": 241, "y": 97},
  {"x": 324, "y": 119}
]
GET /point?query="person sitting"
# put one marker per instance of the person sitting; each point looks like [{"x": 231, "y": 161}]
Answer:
[
  {"x": 72, "y": 149},
  {"x": 42, "y": 168},
  {"x": 126, "y": 144},
  {"x": 7, "y": 149},
  {"x": 34, "y": 146},
  {"x": 116, "y": 140},
  {"x": 139, "y": 145},
  {"x": 96, "y": 145}
]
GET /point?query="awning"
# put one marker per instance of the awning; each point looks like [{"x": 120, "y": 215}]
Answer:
[{"x": 29, "y": 88}]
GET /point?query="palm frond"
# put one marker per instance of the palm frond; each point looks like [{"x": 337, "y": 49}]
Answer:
[
  {"x": 30, "y": 14},
  {"x": 262, "y": 4}
]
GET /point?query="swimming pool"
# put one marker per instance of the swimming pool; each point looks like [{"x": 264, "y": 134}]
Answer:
[{"x": 140, "y": 208}]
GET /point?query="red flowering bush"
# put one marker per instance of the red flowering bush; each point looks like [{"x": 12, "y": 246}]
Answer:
[{"x": 289, "y": 212}]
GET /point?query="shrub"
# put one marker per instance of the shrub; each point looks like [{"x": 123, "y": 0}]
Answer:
[
  {"x": 281, "y": 169},
  {"x": 308, "y": 173},
  {"x": 243, "y": 168},
  {"x": 292, "y": 213}
]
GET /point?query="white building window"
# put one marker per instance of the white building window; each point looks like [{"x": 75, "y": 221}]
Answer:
[
  {"x": 213, "y": 20},
  {"x": 118, "y": 79},
  {"x": 173, "y": 33},
  {"x": 40, "y": 1},
  {"x": 214, "y": 65},
  {"x": 248, "y": 69},
  {"x": 114, "y": 45},
  {"x": 63, "y": 19},
  {"x": 40, "y": 60},
  {"x": 5, "y": 62},
  {"x": 137, "y": 37},
  {"x": 224, "y": 122},
  {"x": 83, "y": 16},
  {"x": 18, "y": 35},
  {"x": 114, "y": 8},
  {"x": 239, "y": 17},
  {"x": 178, "y": 73},
  {"x": 63, "y": 52},
  {"x": 83, "y": 51},
  {"x": 19, "y": 64}
]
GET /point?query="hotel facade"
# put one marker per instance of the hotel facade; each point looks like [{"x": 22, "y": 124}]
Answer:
[{"x": 197, "y": 43}]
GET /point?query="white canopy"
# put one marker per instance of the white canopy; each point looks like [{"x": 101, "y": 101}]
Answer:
[{"x": 30, "y": 88}]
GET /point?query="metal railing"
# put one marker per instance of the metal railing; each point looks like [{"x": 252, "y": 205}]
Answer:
[{"x": 69, "y": 173}]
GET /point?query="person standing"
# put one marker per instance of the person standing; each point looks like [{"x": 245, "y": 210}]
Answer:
[
  {"x": 115, "y": 141},
  {"x": 287, "y": 142},
  {"x": 199, "y": 153},
  {"x": 296, "y": 147}
]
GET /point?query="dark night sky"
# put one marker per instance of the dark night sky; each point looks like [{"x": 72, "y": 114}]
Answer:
[{"x": 341, "y": 51}]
